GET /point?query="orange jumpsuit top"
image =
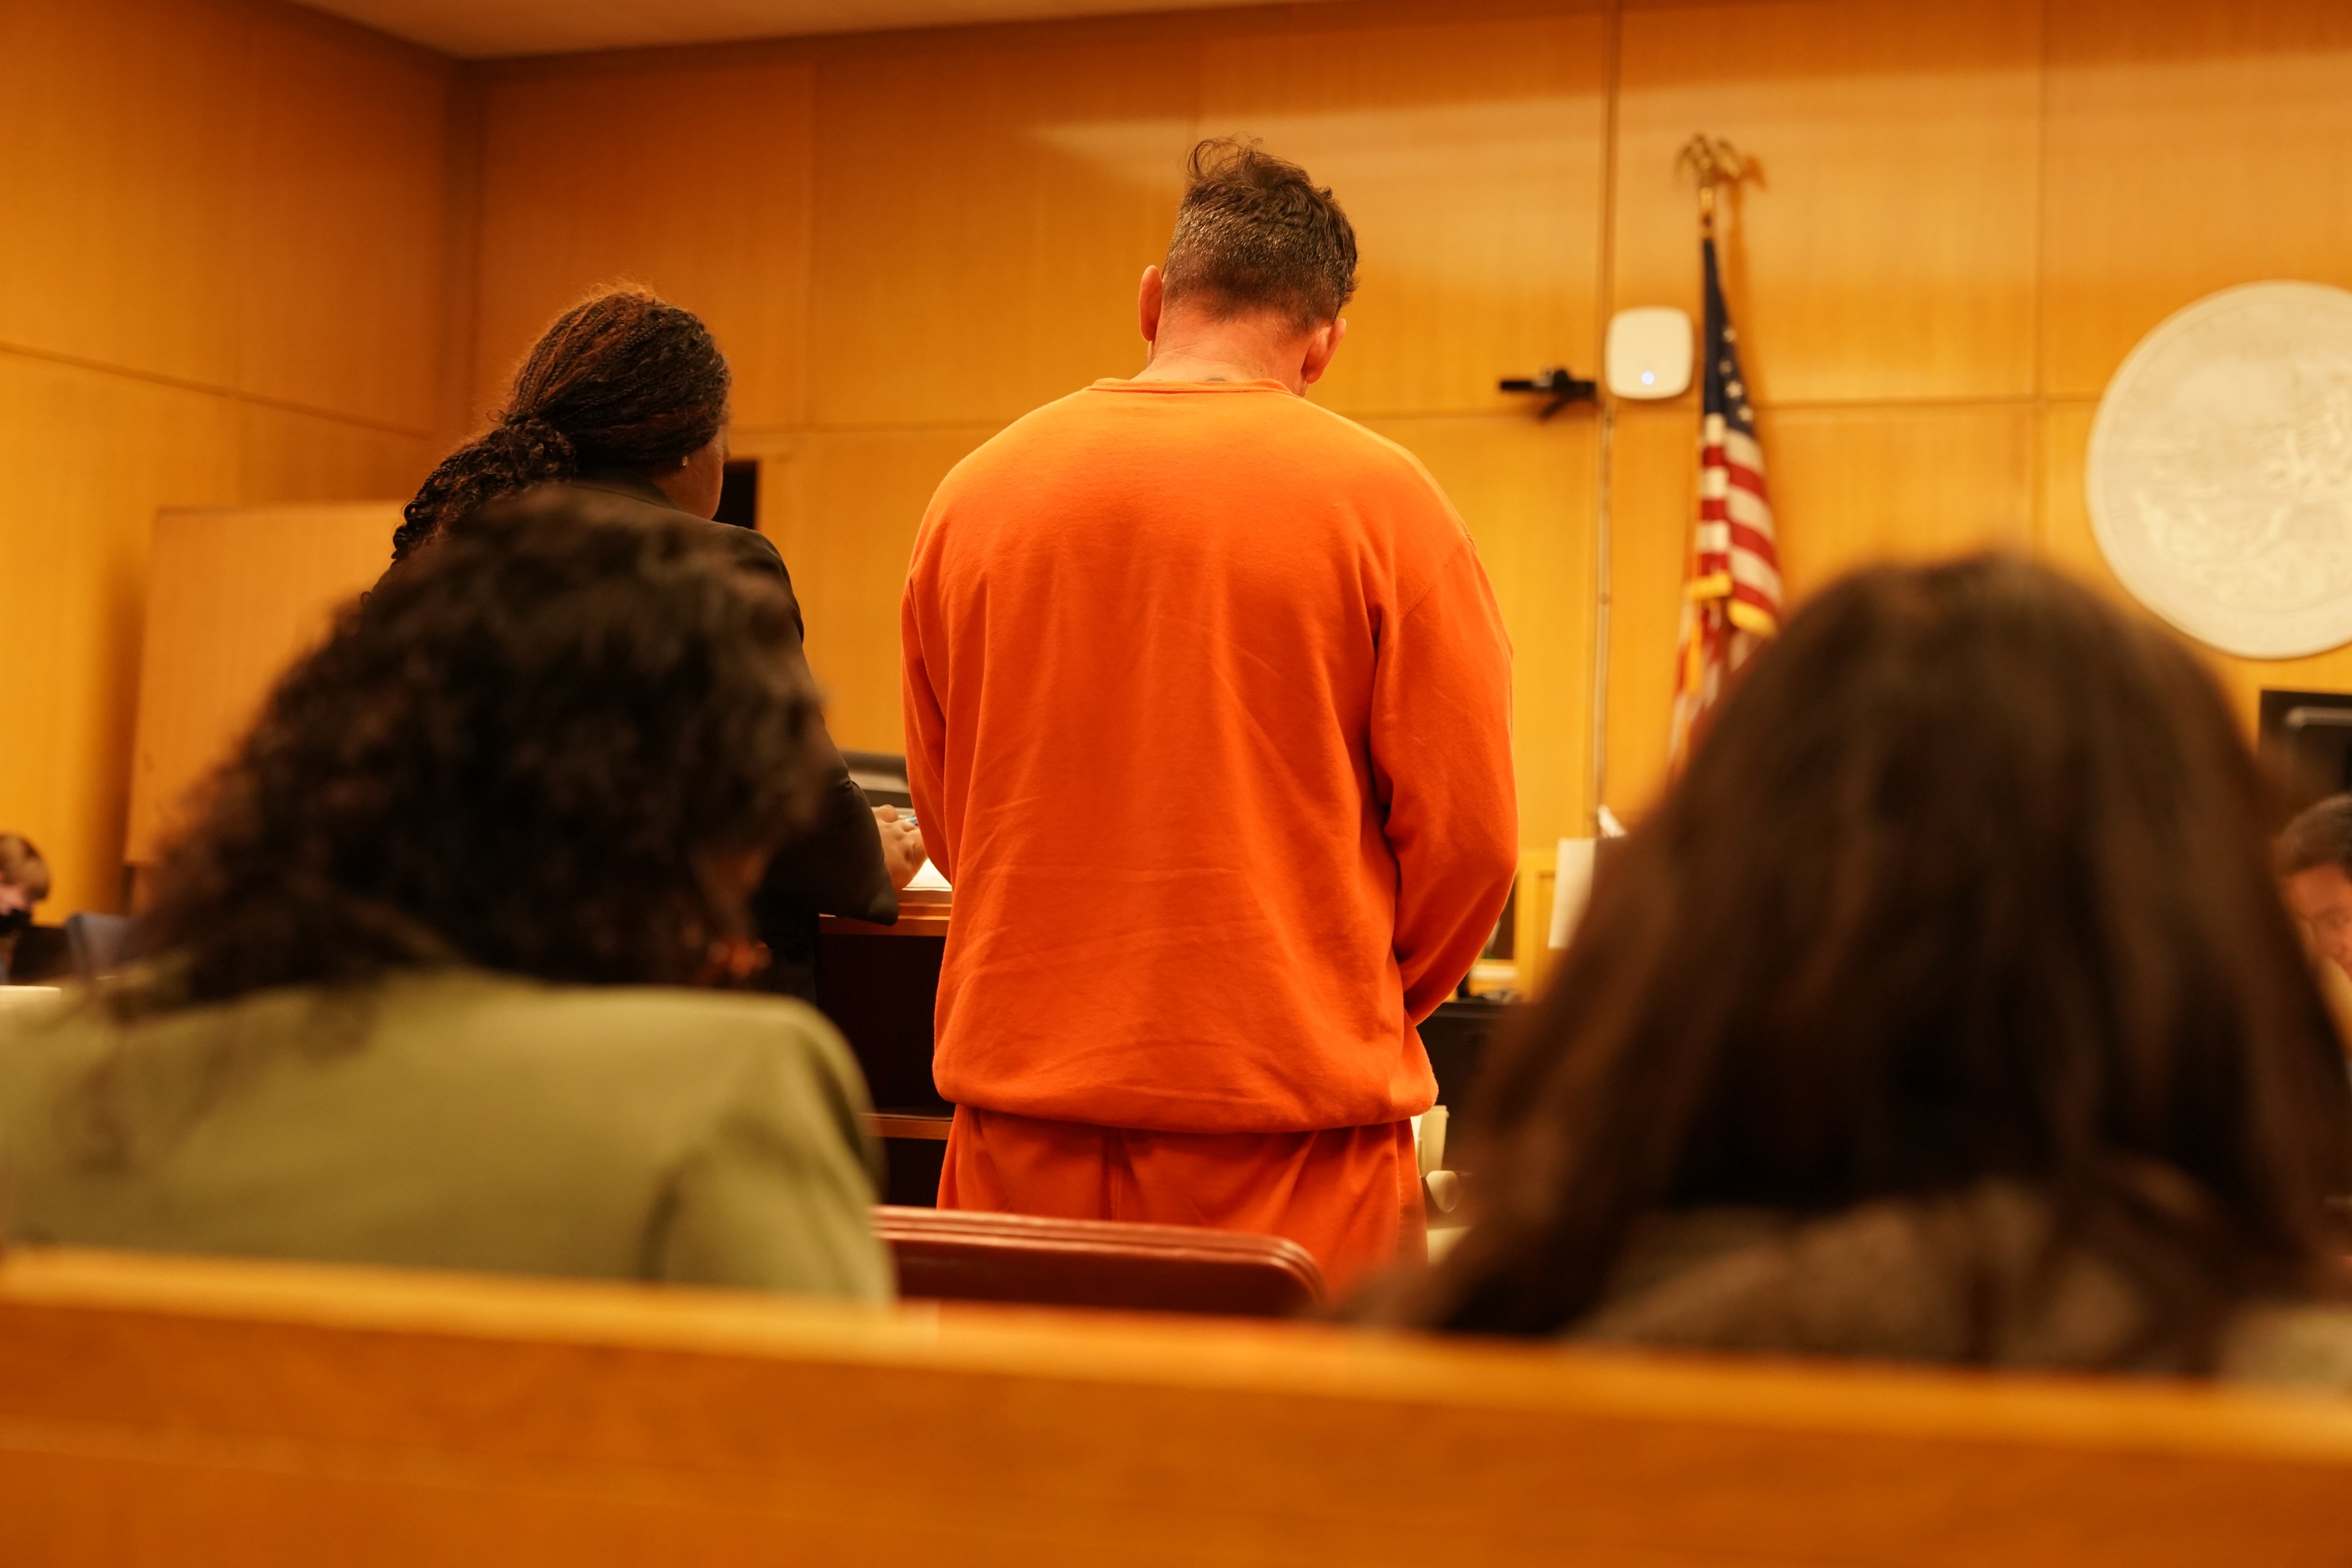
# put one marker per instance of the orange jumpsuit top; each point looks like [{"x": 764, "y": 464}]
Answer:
[{"x": 1208, "y": 720}]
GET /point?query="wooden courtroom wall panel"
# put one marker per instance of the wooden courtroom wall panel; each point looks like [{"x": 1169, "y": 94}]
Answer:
[
  {"x": 1880, "y": 271},
  {"x": 1888, "y": 249},
  {"x": 1469, "y": 158},
  {"x": 692, "y": 182},
  {"x": 1524, "y": 488},
  {"x": 340, "y": 253},
  {"x": 983, "y": 202},
  {"x": 237, "y": 594},
  {"x": 127, "y": 131},
  {"x": 97, "y": 455},
  {"x": 287, "y": 454},
  {"x": 1965, "y": 213},
  {"x": 843, "y": 507},
  {"x": 2193, "y": 145},
  {"x": 222, "y": 233},
  {"x": 986, "y": 206},
  {"x": 1882, "y": 484},
  {"x": 1654, "y": 486}
]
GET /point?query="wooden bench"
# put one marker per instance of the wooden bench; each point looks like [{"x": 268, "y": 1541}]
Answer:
[{"x": 191, "y": 1413}]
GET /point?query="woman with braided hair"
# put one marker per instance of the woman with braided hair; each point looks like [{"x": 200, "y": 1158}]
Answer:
[
  {"x": 624, "y": 392},
  {"x": 627, "y": 394}
]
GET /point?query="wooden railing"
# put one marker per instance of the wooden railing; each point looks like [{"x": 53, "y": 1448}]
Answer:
[{"x": 184, "y": 1411}]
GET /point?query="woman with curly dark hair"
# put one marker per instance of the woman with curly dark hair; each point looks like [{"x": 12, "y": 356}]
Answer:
[
  {"x": 1946, "y": 1009},
  {"x": 429, "y": 982},
  {"x": 627, "y": 394}
]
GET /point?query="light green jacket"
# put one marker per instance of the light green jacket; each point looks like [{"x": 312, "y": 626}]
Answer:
[{"x": 455, "y": 1120}]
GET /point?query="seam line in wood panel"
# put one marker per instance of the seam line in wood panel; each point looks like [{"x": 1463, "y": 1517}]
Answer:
[
  {"x": 2024, "y": 400},
  {"x": 211, "y": 389},
  {"x": 2036, "y": 442},
  {"x": 1604, "y": 298}
]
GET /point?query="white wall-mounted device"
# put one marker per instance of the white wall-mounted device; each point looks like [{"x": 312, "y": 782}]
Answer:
[{"x": 1650, "y": 349}]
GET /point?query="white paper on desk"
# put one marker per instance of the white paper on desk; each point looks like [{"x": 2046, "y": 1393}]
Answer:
[
  {"x": 1571, "y": 888},
  {"x": 929, "y": 879}
]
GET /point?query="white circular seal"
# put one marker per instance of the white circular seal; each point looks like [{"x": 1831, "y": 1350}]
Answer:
[{"x": 2220, "y": 470}]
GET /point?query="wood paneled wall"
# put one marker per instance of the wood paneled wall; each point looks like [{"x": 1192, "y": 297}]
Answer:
[
  {"x": 222, "y": 280},
  {"x": 239, "y": 262},
  {"x": 1967, "y": 215}
]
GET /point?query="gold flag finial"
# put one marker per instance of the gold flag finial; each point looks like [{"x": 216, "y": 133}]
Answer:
[{"x": 1717, "y": 162}]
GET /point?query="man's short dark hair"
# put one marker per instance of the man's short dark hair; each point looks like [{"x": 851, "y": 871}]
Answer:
[
  {"x": 1254, "y": 233},
  {"x": 2320, "y": 837}
]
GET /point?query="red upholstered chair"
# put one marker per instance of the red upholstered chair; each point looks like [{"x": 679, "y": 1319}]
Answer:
[{"x": 948, "y": 1255}]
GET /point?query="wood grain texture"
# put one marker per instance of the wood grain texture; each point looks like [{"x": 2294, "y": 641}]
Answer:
[
  {"x": 340, "y": 254},
  {"x": 126, "y": 126},
  {"x": 73, "y": 572},
  {"x": 2193, "y": 145},
  {"x": 235, "y": 596},
  {"x": 221, "y": 279},
  {"x": 1966, "y": 215},
  {"x": 1468, "y": 157},
  {"x": 240, "y": 196},
  {"x": 1654, "y": 486},
  {"x": 695, "y": 182},
  {"x": 1525, "y": 488},
  {"x": 984, "y": 213},
  {"x": 254, "y": 1410},
  {"x": 1854, "y": 487},
  {"x": 843, "y": 507},
  {"x": 284, "y": 456},
  {"x": 1888, "y": 248}
]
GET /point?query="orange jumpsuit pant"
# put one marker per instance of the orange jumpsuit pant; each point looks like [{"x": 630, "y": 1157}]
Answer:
[{"x": 1349, "y": 1195}]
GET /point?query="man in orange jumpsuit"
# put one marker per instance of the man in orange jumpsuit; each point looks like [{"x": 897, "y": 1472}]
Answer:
[{"x": 1208, "y": 720}]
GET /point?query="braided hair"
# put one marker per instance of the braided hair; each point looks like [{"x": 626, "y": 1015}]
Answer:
[{"x": 622, "y": 380}]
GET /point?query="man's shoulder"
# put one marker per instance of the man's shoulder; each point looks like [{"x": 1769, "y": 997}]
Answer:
[{"x": 1377, "y": 453}]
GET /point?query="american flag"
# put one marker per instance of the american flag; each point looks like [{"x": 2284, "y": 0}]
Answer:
[{"x": 1732, "y": 602}]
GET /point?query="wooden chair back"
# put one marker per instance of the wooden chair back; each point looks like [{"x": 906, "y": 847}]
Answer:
[{"x": 954, "y": 1256}]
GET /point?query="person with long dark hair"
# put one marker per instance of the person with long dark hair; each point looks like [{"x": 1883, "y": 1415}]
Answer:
[
  {"x": 431, "y": 981},
  {"x": 1946, "y": 1009},
  {"x": 628, "y": 394}
]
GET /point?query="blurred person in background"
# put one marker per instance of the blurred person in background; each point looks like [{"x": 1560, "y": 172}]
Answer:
[
  {"x": 2314, "y": 862},
  {"x": 429, "y": 984},
  {"x": 1946, "y": 1009},
  {"x": 24, "y": 882}
]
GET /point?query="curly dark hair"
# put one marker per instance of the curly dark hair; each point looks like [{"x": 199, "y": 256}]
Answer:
[
  {"x": 622, "y": 380},
  {"x": 522, "y": 750},
  {"x": 1968, "y": 881},
  {"x": 1254, "y": 233}
]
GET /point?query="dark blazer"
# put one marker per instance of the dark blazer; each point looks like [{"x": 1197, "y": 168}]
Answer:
[{"x": 835, "y": 866}]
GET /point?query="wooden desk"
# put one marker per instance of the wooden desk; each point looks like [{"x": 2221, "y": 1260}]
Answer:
[{"x": 157, "y": 1411}]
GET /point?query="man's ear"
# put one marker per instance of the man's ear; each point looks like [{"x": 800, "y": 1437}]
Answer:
[
  {"x": 1321, "y": 344},
  {"x": 1149, "y": 297}
]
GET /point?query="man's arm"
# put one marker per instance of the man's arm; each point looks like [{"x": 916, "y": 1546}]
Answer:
[{"x": 1441, "y": 735}]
